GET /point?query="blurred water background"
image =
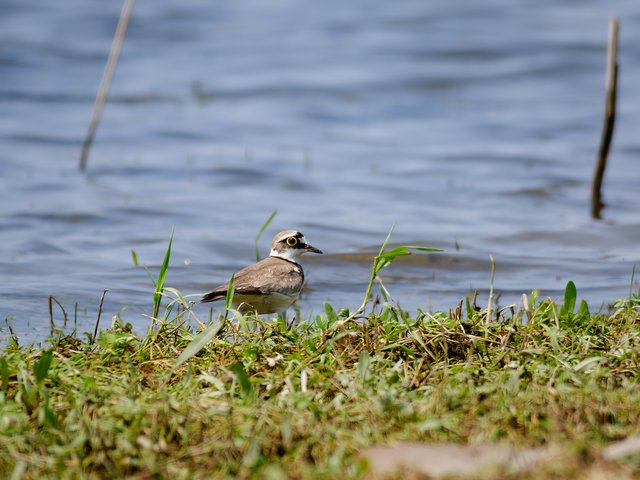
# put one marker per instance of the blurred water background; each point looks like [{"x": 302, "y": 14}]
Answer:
[{"x": 472, "y": 126}]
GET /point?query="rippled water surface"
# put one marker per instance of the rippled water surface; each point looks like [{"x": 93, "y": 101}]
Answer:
[{"x": 472, "y": 126}]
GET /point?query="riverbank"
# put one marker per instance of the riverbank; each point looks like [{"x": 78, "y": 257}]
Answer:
[{"x": 264, "y": 399}]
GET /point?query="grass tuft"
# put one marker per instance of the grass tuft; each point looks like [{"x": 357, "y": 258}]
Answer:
[{"x": 159, "y": 284}]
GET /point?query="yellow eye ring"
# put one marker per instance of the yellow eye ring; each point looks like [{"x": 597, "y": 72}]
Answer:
[{"x": 292, "y": 241}]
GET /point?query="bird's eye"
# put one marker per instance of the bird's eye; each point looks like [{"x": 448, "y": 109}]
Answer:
[{"x": 292, "y": 241}]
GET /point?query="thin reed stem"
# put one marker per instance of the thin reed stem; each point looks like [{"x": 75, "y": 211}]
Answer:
[
  {"x": 105, "y": 83},
  {"x": 609, "y": 119},
  {"x": 95, "y": 330}
]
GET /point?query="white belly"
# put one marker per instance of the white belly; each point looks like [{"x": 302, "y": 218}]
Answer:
[{"x": 268, "y": 303}]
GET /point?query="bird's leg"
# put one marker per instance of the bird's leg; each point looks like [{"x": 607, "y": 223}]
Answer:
[{"x": 286, "y": 322}]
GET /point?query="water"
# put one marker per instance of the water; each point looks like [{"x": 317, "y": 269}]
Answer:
[{"x": 471, "y": 127}]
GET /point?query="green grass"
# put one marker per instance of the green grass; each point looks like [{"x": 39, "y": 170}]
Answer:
[{"x": 262, "y": 399}]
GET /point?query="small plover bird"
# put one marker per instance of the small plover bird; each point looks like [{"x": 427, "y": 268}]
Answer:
[{"x": 272, "y": 284}]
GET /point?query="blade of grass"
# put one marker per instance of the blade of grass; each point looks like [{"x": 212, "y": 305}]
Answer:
[
  {"x": 262, "y": 229},
  {"x": 41, "y": 368},
  {"x": 228, "y": 299},
  {"x": 383, "y": 260},
  {"x": 157, "y": 295},
  {"x": 136, "y": 263},
  {"x": 50, "y": 419},
  {"x": 204, "y": 337},
  {"x": 4, "y": 374},
  {"x": 570, "y": 294},
  {"x": 374, "y": 270},
  {"x": 332, "y": 317},
  {"x": 243, "y": 380},
  {"x": 364, "y": 360},
  {"x": 386, "y": 258},
  {"x": 198, "y": 343}
]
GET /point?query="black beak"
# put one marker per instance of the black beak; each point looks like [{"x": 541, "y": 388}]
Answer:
[{"x": 309, "y": 248}]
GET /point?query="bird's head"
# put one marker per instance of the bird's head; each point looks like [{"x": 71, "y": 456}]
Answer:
[{"x": 290, "y": 244}]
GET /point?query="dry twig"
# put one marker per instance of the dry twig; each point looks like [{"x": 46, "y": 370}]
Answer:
[{"x": 609, "y": 119}]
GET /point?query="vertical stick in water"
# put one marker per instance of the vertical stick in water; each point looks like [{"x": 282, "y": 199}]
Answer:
[
  {"x": 105, "y": 83},
  {"x": 488, "y": 320},
  {"x": 64, "y": 313},
  {"x": 95, "y": 330},
  {"x": 609, "y": 119}
]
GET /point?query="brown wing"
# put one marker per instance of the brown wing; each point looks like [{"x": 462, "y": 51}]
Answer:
[{"x": 263, "y": 277}]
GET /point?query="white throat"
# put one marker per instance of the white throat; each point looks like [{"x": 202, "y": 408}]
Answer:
[{"x": 291, "y": 254}]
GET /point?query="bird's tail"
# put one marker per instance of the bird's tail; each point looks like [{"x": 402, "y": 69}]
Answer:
[{"x": 213, "y": 296}]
